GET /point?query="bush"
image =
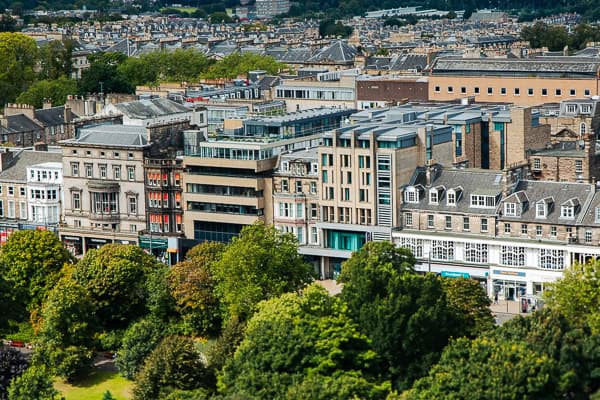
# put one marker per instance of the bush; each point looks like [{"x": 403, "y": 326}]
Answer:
[{"x": 138, "y": 342}]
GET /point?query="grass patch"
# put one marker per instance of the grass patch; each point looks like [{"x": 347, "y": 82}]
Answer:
[
  {"x": 182, "y": 9},
  {"x": 94, "y": 386}
]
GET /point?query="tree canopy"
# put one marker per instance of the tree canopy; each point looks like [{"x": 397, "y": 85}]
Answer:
[
  {"x": 18, "y": 53},
  {"x": 577, "y": 294},
  {"x": 116, "y": 278},
  {"x": 259, "y": 264},
  {"x": 300, "y": 336},
  {"x": 406, "y": 316},
  {"x": 31, "y": 260},
  {"x": 237, "y": 64},
  {"x": 55, "y": 90}
]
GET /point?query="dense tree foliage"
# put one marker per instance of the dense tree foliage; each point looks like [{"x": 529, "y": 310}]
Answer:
[
  {"x": 12, "y": 364},
  {"x": 577, "y": 294},
  {"x": 65, "y": 340},
  {"x": 31, "y": 260},
  {"x": 103, "y": 75},
  {"x": 192, "y": 286},
  {"x": 406, "y": 316},
  {"x": 302, "y": 336},
  {"x": 116, "y": 277},
  {"x": 55, "y": 90},
  {"x": 471, "y": 305},
  {"x": 35, "y": 383},
  {"x": 174, "y": 364},
  {"x": 329, "y": 27},
  {"x": 259, "y": 264},
  {"x": 236, "y": 65},
  {"x": 138, "y": 342},
  {"x": 556, "y": 37},
  {"x": 18, "y": 53}
]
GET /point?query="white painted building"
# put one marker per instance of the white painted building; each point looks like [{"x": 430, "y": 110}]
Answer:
[{"x": 45, "y": 194}]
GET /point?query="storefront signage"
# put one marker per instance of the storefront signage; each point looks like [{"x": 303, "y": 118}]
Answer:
[
  {"x": 454, "y": 274},
  {"x": 510, "y": 273}
]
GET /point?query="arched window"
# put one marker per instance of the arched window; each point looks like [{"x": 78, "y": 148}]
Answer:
[{"x": 582, "y": 129}]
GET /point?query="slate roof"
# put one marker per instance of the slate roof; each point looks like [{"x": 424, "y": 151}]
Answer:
[
  {"x": 338, "y": 51},
  {"x": 151, "y": 108},
  {"x": 21, "y": 123},
  {"x": 571, "y": 66},
  {"x": 17, "y": 169},
  {"x": 51, "y": 116},
  {"x": 403, "y": 62},
  {"x": 560, "y": 192},
  {"x": 470, "y": 181},
  {"x": 111, "y": 136}
]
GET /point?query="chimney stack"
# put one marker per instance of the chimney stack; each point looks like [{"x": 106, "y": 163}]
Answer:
[
  {"x": 47, "y": 104},
  {"x": 40, "y": 146},
  {"x": 6, "y": 157},
  {"x": 68, "y": 114}
]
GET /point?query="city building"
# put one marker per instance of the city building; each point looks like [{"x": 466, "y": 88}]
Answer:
[
  {"x": 25, "y": 202},
  {"x": 271, "y": 8},
  {"x": 104, "y": 187},
  {"x": 378, "y": 92},
  {"x": 328, "y": 89},
  {"x": 514, "y": 235},
  {"x": 228, "y": 179},
  {"x": 296, "y": 196},
  {"x": 520, "y": 81}
]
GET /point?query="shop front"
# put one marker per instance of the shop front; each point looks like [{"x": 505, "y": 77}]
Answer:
[
  {"x": 74, "y": 244},
  {"x": 95, "y": 243},
  {"x": 509, "y": 285}
]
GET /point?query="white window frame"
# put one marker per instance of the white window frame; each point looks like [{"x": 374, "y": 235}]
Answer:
[
  {"x": 512, "y": 256},
  {"x": 552, "y": 259},
  {"x": 476, "y": 253}
]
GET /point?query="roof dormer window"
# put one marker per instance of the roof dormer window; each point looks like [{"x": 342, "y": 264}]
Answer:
[
  {"x": 540, "y": 210},
  {"x": 569, "y": 208},
  {"x": 597, "y": 215},
  {"x": 411, "y": 195},
  {"x": 433, "y": 196},
  {"x": 511, "y": 210},
  {"x": 567, "y": 212},
  {"x": 451, "y": 198}
]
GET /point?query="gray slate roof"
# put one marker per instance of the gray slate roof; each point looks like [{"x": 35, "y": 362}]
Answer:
[
  {"x": 52, "y": 116},
  {"x": 152, "y": 108},
  {"x": 470, "y": 181},
  {"x": 17, "y": 169},
  {"x": 111, "y": 136},
  {"x": 560, "y": 192}
]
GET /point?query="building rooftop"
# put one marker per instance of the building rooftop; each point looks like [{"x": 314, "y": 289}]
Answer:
[
  {"x": 111, "y": 135},
  {"x": 16, "y": 171},
  {"x": 152, "y": 108}
]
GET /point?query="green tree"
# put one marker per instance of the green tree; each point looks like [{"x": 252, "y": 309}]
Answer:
[
  {"x": 55, "y": 90},
  {"x": 259, "y": 264},
  {"x": 18, "y": 53},
  {"x": 329, "y": 27},
  {"x": 103, "y": 75},
  {"x": 226, "y": 344},
  {"x": 573, "y": 349},
  {"x": 7, "y": 23},
  {"x": 116, "y": 276},
  {"x": 56, "y": 59},
  {"x": 174, "y": 364},
  {"x": 65, "y": 339},
  {"x": 219, "y": 17},
  {"x": 35, "y": 383},
  {"x": 192, "y": 285},
  {"x": 140, "y": 339},
  {"x": 485, "y": 368},
  {"x": 12, "y": 364},
  {"x": 470, "y": 303},
  {"x": 300, "y": 336},
  {"x": 406, "y": 315},
  {"x": 577, "y": 295},
  {"x": 31, "y": 260},
  {"x": 236, "y": 64}
]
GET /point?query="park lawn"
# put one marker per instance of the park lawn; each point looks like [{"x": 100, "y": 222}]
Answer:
[
  {"x": 94, "y": 386},
  {"x": 183, "y": 9}
]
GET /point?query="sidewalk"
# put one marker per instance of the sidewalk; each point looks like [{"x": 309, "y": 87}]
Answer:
[{"x": 506, "y": 307}]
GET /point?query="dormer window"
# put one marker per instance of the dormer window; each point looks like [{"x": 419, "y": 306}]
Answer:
[
  {"x": 571, "y": 108},
  {"x": 433, "y": 196},
  {"x": 568, "y": 209},
  {"x": 597, "y": 215},
  {"x": 451, "y": 198},
  {"x": 586, "y": 108},
  {"x": 510, "y": 210},
  {"x": 482, "y": 201},
  {"x": 567, "y": 212},
  {"x": 540, "y": 210},
  {"x": 411, "y": 195}
]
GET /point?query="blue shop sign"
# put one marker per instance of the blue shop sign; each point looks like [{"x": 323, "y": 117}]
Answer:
[
  {"x": 454, "y": 274},
  {"x": 511, "y": 273}
]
